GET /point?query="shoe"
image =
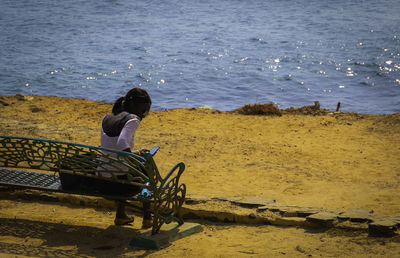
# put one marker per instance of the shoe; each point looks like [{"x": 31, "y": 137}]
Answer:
[
  {"x": 123, "y": 221},
  {"x": 147, "y": 223}
]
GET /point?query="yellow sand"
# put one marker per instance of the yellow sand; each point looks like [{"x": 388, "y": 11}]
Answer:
[{"x": 334, "y": 161}]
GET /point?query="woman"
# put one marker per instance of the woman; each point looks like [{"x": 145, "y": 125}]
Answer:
[{"x": 118, "y": 132}]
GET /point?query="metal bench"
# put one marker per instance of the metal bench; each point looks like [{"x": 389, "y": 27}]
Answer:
[{"x": 37, "y": 164}]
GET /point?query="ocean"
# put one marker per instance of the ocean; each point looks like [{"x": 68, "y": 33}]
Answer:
[{"x": 219, "y": 54}]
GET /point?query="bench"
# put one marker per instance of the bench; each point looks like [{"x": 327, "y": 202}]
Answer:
[{"x": 31, "y": 163}]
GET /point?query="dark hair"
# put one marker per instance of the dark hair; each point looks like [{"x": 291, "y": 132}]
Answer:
[{"x": 135, "y": 95}]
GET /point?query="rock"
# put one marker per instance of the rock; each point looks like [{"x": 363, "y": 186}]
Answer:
[
  {"x": 253, "y": 201},
  {"x": 380, "y": 217},
  {"x": 272, "y": 207},
  {"x": 301, "y": 250},
  {"x": 307, "y": 211},
  {"x": 290, "y": 211},
  {"x": 295, "y": 211},
  {"x": 35, "y": 109},
  {"x": 382, "y": 228},
  {"x": 356, "y": 215},
  {"x": 3, "y": 102},
  {"x": 262, "y": 208},
  {"x": 23, "y": 97},
  {"x": 227, "y": 199},
  {"x": 324, "y": 219},
  {"x": 397, "y": 219},
  {"x": 252, "y": 216}
]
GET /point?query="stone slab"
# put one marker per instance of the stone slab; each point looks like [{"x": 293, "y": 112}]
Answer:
[
  {"x": 307, "y": 211},
  {"x": 290, "y": 211},
  {"x": 227, "y": 199},
  {"x": 384, "y": 227},
  {"x": 325, "y": 219},
  {"x": 254, "y": 201},
  {"x": 397, "y": 219},
  {"x": 168, "y": 233},
  {"x": 357, "y": 215},
  {"x": 249, "y": 202}
]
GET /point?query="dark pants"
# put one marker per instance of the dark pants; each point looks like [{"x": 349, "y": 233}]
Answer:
[{"x": 75, "y": 182}]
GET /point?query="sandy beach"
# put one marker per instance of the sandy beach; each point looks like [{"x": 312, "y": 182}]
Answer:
[{"x": 324, "y": 159}]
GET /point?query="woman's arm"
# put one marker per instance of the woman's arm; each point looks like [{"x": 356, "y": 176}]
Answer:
[{"x": 126, "y": 138}]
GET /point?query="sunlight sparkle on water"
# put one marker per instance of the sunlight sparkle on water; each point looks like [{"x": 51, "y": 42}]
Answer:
[
  {"x": 216, "y": 55},
  {"x": 349, "y": 72}
]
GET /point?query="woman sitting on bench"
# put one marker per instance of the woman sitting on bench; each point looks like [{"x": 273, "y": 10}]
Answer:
[{"x": 118, "y": 132}]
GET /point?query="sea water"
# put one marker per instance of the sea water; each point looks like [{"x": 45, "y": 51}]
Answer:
[{"x": 222, "y": 54}]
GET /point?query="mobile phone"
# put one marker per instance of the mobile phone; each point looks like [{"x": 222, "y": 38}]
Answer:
[{"x": 154, "y": 150}]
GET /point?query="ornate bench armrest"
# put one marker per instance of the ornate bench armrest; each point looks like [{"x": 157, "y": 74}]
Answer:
[{"x": 168, "y": 199}]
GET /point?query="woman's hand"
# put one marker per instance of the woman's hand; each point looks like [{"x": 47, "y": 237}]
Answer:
[{"x": 140, "y": 151}]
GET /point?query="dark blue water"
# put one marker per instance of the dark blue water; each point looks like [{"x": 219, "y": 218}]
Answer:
[{"x": 223, "y": 54}]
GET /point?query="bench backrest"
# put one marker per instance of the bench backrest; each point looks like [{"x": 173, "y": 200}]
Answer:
[{"x": 79, "y": 159}]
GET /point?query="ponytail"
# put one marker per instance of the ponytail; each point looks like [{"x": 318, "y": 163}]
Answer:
[{"x": 118, "y": 106}]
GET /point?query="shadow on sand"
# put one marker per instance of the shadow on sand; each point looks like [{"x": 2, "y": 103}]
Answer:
[{"x": 42, "y": 239}]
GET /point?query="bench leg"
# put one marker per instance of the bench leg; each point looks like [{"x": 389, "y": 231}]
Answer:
[{"x": 167, "y": 205}]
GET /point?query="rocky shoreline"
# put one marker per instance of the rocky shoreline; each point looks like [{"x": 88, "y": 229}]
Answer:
[{"x": 250, "y": 210}]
